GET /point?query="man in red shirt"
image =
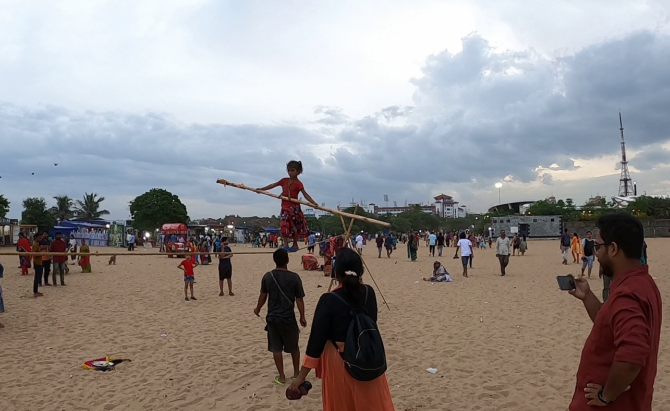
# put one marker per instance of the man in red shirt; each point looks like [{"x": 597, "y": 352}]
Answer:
[
  {"x": 618, "y": 364},
  {"x": 59, "y": 261}
]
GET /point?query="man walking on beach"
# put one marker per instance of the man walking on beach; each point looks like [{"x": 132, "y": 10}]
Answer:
[
  {"x": 440, "y": 244},
  {"x": 380, "y": 244},
  {"x": 502, "y": 251},
  {"x": 359, "y": 243},
  {"x": 225, "y": 268},
  {"x": 565, "y": 246},
  {"x": 432, "y": 241},
  {"x": 283, "y": 290},
  {"x": 587, "y": 246},
  {"x": 618, "y": 365},
  {"x": 311, "y": 241}
]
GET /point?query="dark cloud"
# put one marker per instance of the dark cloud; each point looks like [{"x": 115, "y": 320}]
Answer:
[{"x": 479, "y": 116}]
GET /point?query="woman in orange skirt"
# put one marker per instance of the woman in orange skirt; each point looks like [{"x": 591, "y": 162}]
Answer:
[
  {"x": 340, "y": 391},
  {"x": 576, "y": 246}
]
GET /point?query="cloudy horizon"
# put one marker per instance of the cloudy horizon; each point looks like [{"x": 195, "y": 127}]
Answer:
[{"x": 407, "y": 99}]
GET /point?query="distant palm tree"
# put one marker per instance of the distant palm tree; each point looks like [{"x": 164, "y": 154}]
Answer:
[
  {"x": 89, "y": 209},
  {"x": 63, "y": 208}
]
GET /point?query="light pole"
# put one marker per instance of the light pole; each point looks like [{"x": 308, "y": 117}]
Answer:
[{"x": 498, "y": 186}]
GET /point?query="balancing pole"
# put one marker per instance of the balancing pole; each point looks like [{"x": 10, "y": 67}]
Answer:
[{"x": 295, "y": 200}]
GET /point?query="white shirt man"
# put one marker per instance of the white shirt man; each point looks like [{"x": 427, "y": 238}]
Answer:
[
  {"x": 502, "y": 251},
  {"x": 359, "y": 244}
]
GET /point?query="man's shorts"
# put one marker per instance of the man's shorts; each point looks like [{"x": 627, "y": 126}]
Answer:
[
  {"x": 464, "y": 260},
  {"x": 283, "y": 337},
  {"x": 189, "y": 278},
  {"x": 587, "y": 261},
  {"x": 225, "y": 273}
]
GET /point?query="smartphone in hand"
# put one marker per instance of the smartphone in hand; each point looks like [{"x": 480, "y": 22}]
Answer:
[{"x": 565, "y": 282}]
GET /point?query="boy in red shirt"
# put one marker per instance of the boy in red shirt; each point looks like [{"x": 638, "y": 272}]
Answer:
[{"x": 187, "y": 266}]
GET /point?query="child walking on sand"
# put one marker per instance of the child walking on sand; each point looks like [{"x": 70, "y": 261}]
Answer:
[
  {"x": 293, "y": 223},
  {"x": 189, "y": 277}
]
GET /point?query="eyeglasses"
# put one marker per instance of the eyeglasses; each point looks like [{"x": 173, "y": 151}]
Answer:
[{"x": 597, "y": 246}]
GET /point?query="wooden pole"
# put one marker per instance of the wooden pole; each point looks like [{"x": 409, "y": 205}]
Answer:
[
  {"x": 295, "y": 200},
  {"x": 132, "y": 254},
  {"x": 347, "y": 235}
]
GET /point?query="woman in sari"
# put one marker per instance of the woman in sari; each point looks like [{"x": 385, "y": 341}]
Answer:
[
  {"x": 85, "y": 260},
  {"x": 23, "y": 246},
  {"x": 412, "y": 247}
]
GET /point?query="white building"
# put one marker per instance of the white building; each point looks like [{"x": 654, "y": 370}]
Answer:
[
  {"x": 314, "y": 212},
  {"x": 373, "y": 209},
  {"x": 446, "y": 207}
]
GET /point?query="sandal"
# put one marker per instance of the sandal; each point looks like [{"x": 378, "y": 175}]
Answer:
[{"x": 278, "y": 381}]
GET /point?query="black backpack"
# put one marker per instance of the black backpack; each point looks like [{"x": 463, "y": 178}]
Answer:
[
  {"x": 364, "y": 356},
  {"x": 565, "y": 240}
]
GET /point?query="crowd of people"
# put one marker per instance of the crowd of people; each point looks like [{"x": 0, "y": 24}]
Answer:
[
  {"x": 618, "y": 363},
  {"x": 45, "y": 264}
]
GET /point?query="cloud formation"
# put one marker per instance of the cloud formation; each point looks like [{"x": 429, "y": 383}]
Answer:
[{"x": 478, "y": 115}]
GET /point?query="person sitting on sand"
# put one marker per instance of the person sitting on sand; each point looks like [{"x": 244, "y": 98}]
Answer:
[{"x": 440, "y": 274}]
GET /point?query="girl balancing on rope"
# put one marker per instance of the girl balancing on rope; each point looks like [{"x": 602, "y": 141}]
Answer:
[{"x": 293, "y": 223}]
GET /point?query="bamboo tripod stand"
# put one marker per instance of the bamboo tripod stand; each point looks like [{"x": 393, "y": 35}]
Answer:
[{"x": 347, "y": 243}]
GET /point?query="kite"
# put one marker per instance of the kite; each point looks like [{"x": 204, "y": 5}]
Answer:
[{"x": 102, "y": 364}]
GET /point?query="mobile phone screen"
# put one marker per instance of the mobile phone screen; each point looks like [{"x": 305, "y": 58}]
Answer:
[{"x": 565, "y": 282}]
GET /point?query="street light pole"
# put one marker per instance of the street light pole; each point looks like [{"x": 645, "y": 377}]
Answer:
[{"x": 498, "y": 186}]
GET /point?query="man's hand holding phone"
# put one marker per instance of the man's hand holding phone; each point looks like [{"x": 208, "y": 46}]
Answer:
[{"x": 582, "y": 288}]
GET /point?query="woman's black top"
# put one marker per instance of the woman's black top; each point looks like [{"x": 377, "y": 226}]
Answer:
[{"x": 332, "y": 318}]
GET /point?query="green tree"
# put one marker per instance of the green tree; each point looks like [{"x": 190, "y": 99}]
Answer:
[
  {"x": 654, "y": 207},
  {"x": 35, "y": 212},
  {"x": 4, "y": 206},
  {"x": 313, "y": 223},
  {"x": 89, "y": 208},
  {"x": 400, "y": 224},
  {"x": 63, "y": 208},
  {"x": 155, "y": 208}
]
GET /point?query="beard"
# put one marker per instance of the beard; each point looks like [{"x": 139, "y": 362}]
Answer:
[{"x": 607, "y": 270}]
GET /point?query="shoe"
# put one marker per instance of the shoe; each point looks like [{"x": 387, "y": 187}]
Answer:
[{"x": 194, "y": 299}]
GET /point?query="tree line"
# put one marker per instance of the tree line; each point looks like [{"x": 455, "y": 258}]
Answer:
[
  {"x": 642, "y": 207},
  {"x": 149, "y": 211},
  {"x": 413, "y": 220}
]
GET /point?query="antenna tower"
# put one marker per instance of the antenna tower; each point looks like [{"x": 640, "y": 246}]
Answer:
[{"x": 625, "y": 184}]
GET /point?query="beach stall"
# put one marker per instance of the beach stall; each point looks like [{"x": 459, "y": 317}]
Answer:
[
  {"x": 175, "y": 236},
  {"x": 96, "y": 233}
]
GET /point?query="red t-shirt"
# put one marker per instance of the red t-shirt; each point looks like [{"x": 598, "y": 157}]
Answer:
[
  {"x": 291, "y": 190},
  {"x": 188, "y": 268},
  {"x": 627, "y": 329},
  {"x": 59, "y": 246}
]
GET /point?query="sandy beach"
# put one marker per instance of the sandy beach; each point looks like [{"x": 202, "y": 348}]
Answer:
[{"x": 499, "y": 343}]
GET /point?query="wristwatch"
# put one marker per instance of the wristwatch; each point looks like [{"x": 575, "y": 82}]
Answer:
[{"x": 600, "y": 396}]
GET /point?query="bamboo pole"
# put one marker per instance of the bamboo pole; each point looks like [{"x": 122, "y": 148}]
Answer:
[
  {"x": 295, "y": 200},
  {"x": 132, "y": 254}
]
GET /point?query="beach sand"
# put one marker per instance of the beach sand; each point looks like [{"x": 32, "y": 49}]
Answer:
[{"x": 499, "y": 343}]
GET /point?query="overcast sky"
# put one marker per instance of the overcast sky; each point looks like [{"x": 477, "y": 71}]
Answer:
[{"x": 406, "y": 98}]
